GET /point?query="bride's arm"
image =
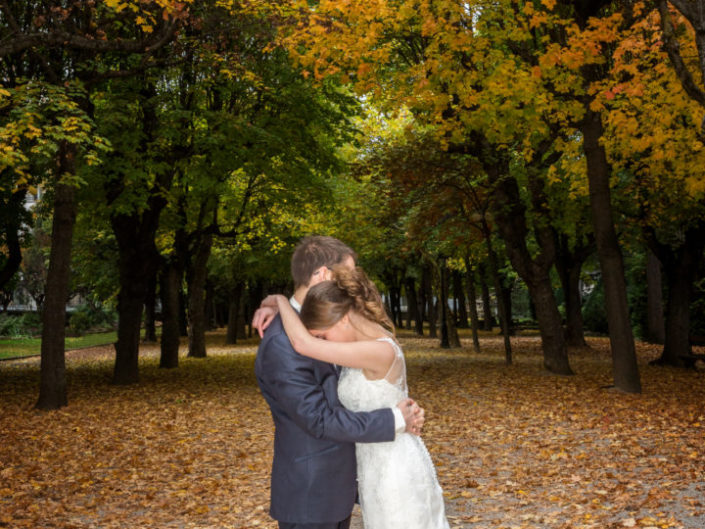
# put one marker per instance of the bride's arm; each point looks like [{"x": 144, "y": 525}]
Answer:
[{"x": 372, "y": 355}]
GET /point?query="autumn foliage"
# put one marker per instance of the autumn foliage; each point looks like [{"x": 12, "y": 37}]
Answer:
[{"x": 514, "y": 447}]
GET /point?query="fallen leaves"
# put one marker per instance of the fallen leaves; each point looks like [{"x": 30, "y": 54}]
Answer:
[{"x": 514, "y": 446}]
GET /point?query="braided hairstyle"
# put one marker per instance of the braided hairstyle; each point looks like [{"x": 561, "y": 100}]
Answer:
[{"x": 327, "y": 302}]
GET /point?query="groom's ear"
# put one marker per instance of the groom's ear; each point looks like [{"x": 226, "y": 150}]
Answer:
[{"x": 322, "y": 273}]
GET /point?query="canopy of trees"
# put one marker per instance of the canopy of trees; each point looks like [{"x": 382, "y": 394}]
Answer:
[{"x": 513, "y": 163}]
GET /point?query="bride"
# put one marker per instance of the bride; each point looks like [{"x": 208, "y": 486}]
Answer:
[{"x": 344, "y": 322}]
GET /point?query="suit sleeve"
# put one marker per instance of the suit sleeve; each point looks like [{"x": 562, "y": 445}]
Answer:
[{"x": 291, "y": 381}]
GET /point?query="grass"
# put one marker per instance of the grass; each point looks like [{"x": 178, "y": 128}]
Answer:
[{"x": 19, "y": 347}]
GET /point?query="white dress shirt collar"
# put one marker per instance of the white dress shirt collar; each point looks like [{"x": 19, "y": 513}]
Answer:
[{"x": 295, "y": 304}]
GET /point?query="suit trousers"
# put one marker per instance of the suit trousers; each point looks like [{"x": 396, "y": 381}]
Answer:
[{"x": 345, "y": 524}]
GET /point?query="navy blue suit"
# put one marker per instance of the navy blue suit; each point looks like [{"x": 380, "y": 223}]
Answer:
[{"x": 314, "y": 468}]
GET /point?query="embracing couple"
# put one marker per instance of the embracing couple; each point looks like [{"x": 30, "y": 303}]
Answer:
[{"x": 335, "y": 380}]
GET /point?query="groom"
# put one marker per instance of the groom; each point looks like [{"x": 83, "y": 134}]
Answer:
[{"x": 314, "y": 470}]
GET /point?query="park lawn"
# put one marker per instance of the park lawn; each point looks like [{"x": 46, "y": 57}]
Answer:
[
  {"x": 514, "y": 447},
  {"x": 20, "y": 347}
]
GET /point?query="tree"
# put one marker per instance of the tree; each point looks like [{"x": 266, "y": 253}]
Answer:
[{"x": 50, "y": 48}]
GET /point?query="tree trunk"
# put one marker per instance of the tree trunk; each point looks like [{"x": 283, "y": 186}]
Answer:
[
  {"x": 459, "y": 295},
  {"x": 443, "y": 304},
  {"x": 412, "y": 304},
  {"x": 656, "y": 331},
  {"x": 130, "y": 305},
  {"x": 423, "y": 315},
  {"x": 487, "y": 317},
  {"x": 150, "y": 329},
  {"x": 494, "y": 271},
  {"x": 196, "y": 294},
  {"x": 451, "y": 331},
  {"x": 510, "y": 215},
  {"x": 170, "y": 293},
  {"x": 183, "y": 317},
  {"x": 52, "y": 384},
  {"x": 211, "y": 316},
  {"x": 430, "y": 306},
  {"x": 508, "y": 307},
  {"x": 472, "y": 299},
  {"x": 551, "y": 328},
  {"x": 234, "y": 313},
  {"x": 625, "y": 368},
  {"x": 681, "y": 268},
  {"x": 569, "y": 262}
]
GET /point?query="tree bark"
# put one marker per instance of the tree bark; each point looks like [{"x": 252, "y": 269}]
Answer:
[
  {"x": 52, "y": 384},
  {"x": 625, "y": 368},
  {"x": 234, "y": 312},
  {"x": 472, "y": 299},
  {"x": 681, "y": 266},
  {"x": 150, "y": 329},
  {"x": 196, "y": 295},
  {"x": 656, "y": 331},
  {"x": 487, "y": 317},
  {"x": 569, "y": 262},
  {"x": 449, "y": 332},
  {"x": 428, "y": 297},
  {"x": 412, "y": 304},
  {"x": 452, "y": 329},
  {"x": 459, "y": 295},
  {"x": 170, "y": 288},
  {"x": 496, "y": 279},
  {"x": 423, "y": 315}
]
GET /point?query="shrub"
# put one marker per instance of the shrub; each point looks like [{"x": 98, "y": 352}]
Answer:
[
  {"x": 28, "y": 324},
  {"x": 10, "y": 325},
  {"x": 79, "y": 322}
]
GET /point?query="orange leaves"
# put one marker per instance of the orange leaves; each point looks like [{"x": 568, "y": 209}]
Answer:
[{"x": 513, "y": 446}]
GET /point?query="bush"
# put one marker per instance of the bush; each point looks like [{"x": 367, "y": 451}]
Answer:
[
  {"x": 28, "y": 324},
  {"x": 79, "y": 322},
  {"x": 86, "y": 318},
  {"x": 10, "y": 325}
]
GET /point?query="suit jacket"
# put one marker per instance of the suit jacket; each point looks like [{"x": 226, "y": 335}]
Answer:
[{"x": 314, "y": 468}]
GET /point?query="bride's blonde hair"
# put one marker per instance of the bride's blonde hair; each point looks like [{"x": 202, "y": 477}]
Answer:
[{"x": 327, "y": 302}]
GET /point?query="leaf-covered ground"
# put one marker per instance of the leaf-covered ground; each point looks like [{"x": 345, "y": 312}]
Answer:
[{"x": 514, "y": 446}]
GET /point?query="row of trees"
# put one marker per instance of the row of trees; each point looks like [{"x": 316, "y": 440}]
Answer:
[
  {"x": 555, "y": 124},
  {"x": 184, "y": 146},
  {"x": 155, "y": 128}
]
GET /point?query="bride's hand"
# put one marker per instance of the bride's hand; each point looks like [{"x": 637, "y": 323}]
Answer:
[{"x": 264, "y": 315}]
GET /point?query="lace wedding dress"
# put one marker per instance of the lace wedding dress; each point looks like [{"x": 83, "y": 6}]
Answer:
[{"x": 396, "y": 480}]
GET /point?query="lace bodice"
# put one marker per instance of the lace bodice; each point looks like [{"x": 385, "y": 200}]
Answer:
[{"x": 357, "y": 392}]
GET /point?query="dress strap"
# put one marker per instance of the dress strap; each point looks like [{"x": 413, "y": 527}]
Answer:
[{"x": 396, "y": 374}]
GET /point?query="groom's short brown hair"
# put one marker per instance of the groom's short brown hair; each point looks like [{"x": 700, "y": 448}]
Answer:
[{"x": 315, "y": 251}]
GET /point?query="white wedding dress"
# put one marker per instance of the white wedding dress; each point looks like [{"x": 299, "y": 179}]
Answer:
[{"x": 396, "y": 480}]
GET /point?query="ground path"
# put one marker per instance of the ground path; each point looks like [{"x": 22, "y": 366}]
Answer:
[{"x": 514, "y": 446}]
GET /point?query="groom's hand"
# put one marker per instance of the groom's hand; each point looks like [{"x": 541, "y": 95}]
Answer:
[{"x": 413, "y": 416}]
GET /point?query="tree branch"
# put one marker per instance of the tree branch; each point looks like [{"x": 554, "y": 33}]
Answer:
[
  {"x": 672, "y": 47},
  {"x": 18, "y": 43}
]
